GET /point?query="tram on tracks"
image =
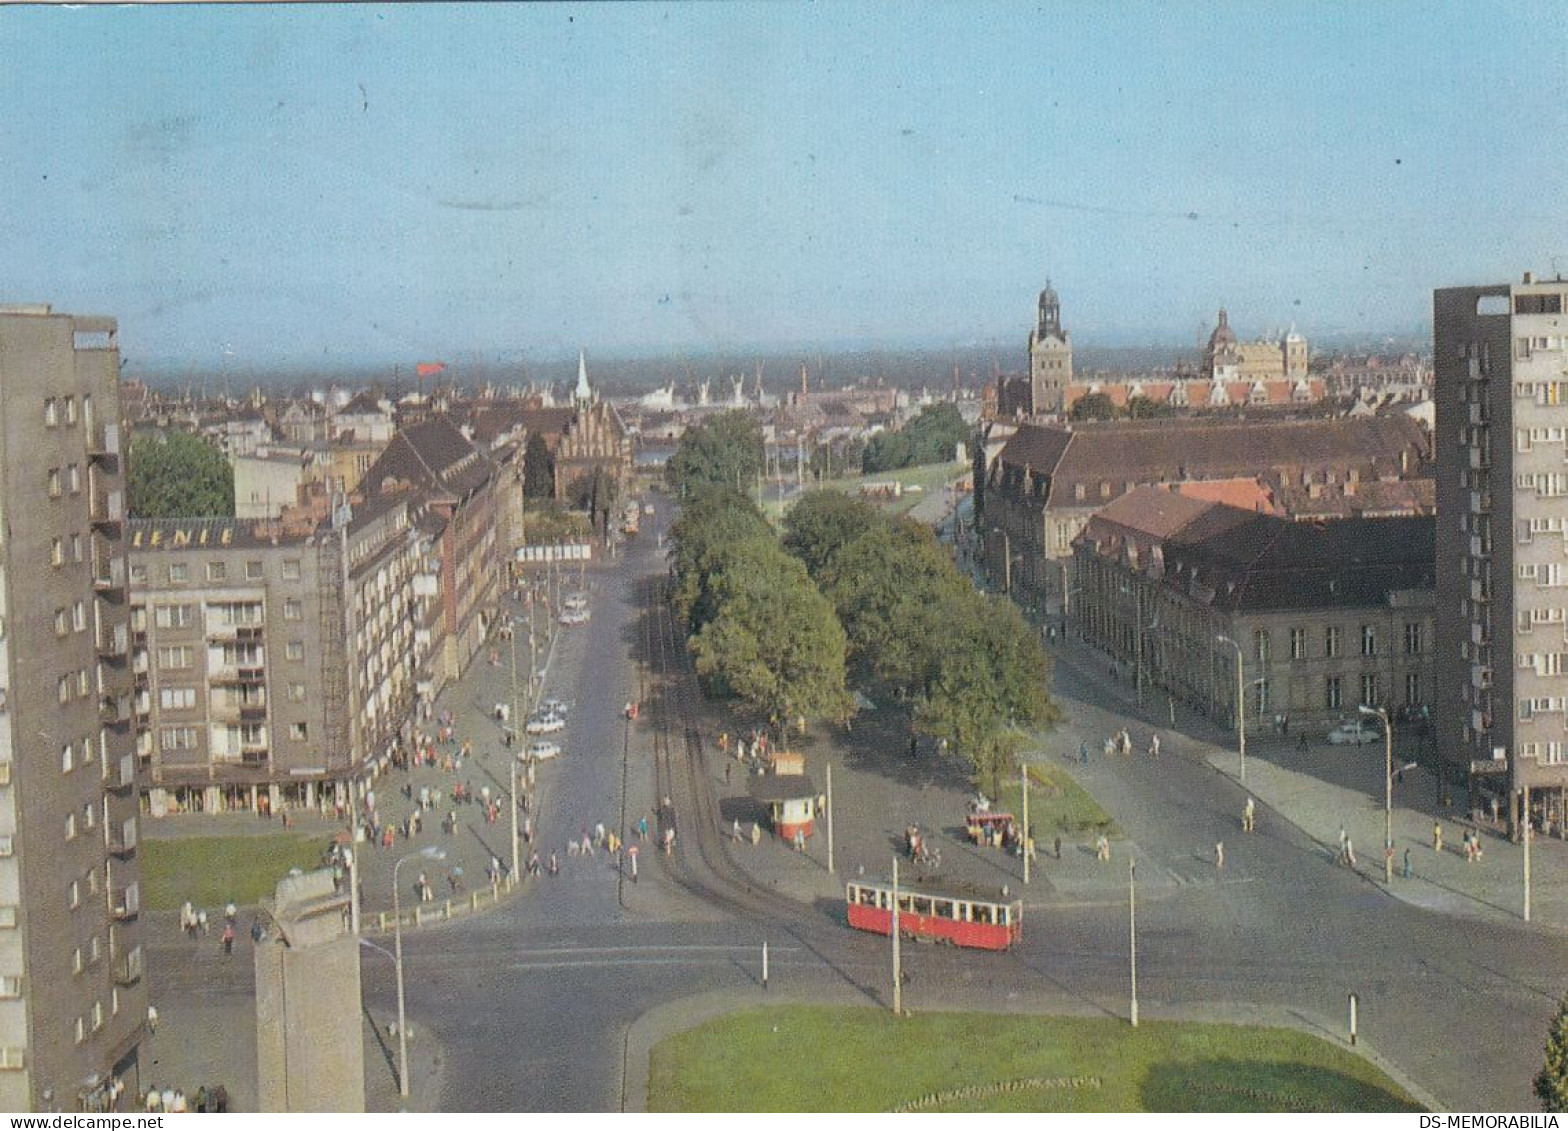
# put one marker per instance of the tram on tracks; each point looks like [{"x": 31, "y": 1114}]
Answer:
[{"x": 942, "y": 911}]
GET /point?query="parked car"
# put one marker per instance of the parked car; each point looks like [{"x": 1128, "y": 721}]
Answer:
[
  {"x": 540, "y": 750},
  {"x": 575, "y": 616},
  {"x": 553, "y": 706},
  {"x": 546, "y": 724},
  {"x": 1354, "y": 731},
  {"x": 575, "y": 601}
]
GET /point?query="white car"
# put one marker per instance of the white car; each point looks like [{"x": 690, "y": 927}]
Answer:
[
  {"x": 575, "y": 601},
  {"x": 541, "y": 749},
  {"x": 546, "y": 724},
  {"x": 553, "y": 707},
  {"x": 575, "y": 616},
  {"x": 1355, "y": 731}
]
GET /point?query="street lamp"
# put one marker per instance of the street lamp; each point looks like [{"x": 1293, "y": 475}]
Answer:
[
  {"x": 1241, "y": 707},
  {"x": 432, "y": 852},
  {"x": 1388, "y": 790}
]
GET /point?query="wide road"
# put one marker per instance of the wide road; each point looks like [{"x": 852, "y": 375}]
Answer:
[{"x": 530, "y": 1004}]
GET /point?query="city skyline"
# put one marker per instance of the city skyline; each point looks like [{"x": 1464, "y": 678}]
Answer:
[{"x": 338, "y": 185}]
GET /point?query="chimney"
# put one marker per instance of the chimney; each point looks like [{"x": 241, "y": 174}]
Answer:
[{"x": 1529, "y": 277}]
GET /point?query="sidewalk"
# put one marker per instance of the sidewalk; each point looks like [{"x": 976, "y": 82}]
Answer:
[{"x": 1329, "y": 787}]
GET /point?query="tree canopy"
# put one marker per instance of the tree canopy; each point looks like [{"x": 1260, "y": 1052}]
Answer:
[
  {"x": 931, "y": 437},
  {"x": 178, "y": 475},
  {"x": 822, "y": 522},
  {"x": 1094, "y": 406},
  {"x": 1144, "y": 408},
  {"x": 538, "y": 468},
  {"x": 1551, "y": 1084},
  {"x": 725, "y": 451}
]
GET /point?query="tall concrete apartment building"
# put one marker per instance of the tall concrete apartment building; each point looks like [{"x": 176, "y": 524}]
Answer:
[
  {"x": 73, "y": 999},
  {"x": 1502, "y": 561}
]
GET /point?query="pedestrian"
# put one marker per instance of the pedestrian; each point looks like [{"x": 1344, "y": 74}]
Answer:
[
  {"x": 1083, "y": 753},
  {"x": 1437, "y": 836},
  {"x": 257, "y": 932},
  {"x": 1056, "y": 846},
  {"x": 1350, "y": 853},
  {"x": 800, "y": 840},
  {"x": 1154, "y": 746},
  {"x": 1344, "y": 840},
  {"x": 201, "y": 922},
  {"x": 152, "y": 1019},
  {"x": 642, "y": 828},
  {"x": 735, "y": 829},
  {"x": 555, "y": 863},
  {"x": 1407, "y": 864},
  {"x": 228, "y": 938},
  {"x": 1247, "y": 815},
  {"x": 188, "y": 919},
  {"x": 726, "y": 772}
]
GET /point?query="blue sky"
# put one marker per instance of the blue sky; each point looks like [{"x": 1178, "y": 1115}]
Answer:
[{"x": 329, "y": 184}]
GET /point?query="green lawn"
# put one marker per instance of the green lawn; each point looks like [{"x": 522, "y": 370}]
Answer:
[
  {"x": 213, "y": 871},
  {"x": 803, "y": 1058},
  {"x": 1057, "y": 805},
  {"x": 928, "y": 477}
]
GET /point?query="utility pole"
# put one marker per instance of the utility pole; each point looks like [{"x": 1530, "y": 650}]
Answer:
[
  {"x": 1132, "y": 932},
  {"x": 1526, "y": 834},
  {"x": 898, "y": 970},
  {"x": 514, "y": 720},
  {"x": 829, "y": 815},
  {"x": 1028, "y": 840}
]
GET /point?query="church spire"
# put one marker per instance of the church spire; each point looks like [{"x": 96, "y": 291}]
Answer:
[{"x": 583, "y": 393}]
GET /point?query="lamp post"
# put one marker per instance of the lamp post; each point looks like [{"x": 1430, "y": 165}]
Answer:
[
  {"x": 1241, "y": 707},
  {"x": 1388, "y": 790},
  {"x": 516, "y": 722},
  {"x": 432, "y": 852}
]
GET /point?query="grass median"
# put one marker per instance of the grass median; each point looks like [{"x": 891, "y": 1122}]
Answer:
[
  {"x": 212, "y": 871},
  {"x": 804, "y": 1058},
  {"x": 1057, "y": 805}
]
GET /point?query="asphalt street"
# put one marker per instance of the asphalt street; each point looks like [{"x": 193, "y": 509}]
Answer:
[{"x": 530, "y": 1007}]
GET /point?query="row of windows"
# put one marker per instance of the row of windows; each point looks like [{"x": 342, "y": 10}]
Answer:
[
  {"x": 58, "y": 409},
  {"x": 1548, "y": 753},
  {"x": 88, "y": 822},
  {"x": 1333, "y": 642},
  {"x": 1526, "y": 438},
  {"x": 1544, "y": 663},
  {"x": 73, "y": 753},
  {"x": 63, "y": 480},
  {"x": 1546, "y": 484},
  {"x": 243, "y": 614},
  {"x": 73, "y": 685},
  {"x": 71, "y": 620},
  {"x": 1548, "y": 575},
  {"x": 179, "y": 573},
  {"x": 57, "y": 550},
  {"x": 93, "y": 1021}
]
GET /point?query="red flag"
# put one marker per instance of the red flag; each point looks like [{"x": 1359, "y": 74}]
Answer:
[{"x": 429, "y": 368}]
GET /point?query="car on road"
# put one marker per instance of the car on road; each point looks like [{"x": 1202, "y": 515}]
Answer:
[
  {"x": 541, "y": 749},
  {"x": 546, "y": 724},
  {"x": 575, "y": 601},
  {"x": 1354, "y": 731},
  {"x": 553, "y": 706},
  {"x": 574, "y": 616}
]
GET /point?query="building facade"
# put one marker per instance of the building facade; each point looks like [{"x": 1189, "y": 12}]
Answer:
[
  {"x": 1328, "y": 615},
  {"x": 1501, "y": 362},
  {"x": 73, "y": 997},
  {"x": 273, "y": 666},
  {"x": 1047, "y": 481}
]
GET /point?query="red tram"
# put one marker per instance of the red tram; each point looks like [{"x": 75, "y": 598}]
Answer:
[{"x": 959, "y": 915}]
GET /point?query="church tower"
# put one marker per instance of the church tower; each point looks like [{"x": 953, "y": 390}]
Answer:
[
  {"x": 582, "y": 395},
  {"x": 1050, "y": 355}
]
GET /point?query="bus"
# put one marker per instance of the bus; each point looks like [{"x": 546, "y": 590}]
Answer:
[{"x": 959, "y": 914}]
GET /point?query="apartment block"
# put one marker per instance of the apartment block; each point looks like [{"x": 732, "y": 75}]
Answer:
[
  {"x": 1501, "y": 371},
  {"x": 73, "y": 997}
]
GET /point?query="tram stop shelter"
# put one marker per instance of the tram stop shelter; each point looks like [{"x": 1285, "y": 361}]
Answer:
[{"x": 791, "y": 801}]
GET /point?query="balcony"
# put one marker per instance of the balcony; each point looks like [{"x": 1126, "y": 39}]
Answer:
[
  {"x": 114, "y": 643},
  {"x": 122, "y": 841},
  {"x": 108, "y": 511},
  {"x": 126, "y": 903},
  {"x": 128, "y": 969},
  {"x": 253, "y": 757},
  {"x": 124, "y": 776},
  {"x": 109, "y": 577},
  {"x": 115, "y": 710},
  {"x": 253, "y": 712},
  {"x": 103, "y": 446}
]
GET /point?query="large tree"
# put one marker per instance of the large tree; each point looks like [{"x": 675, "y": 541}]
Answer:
[
  {"x": 822, "y": 522},
  {"x": 178, "y": 475},
  {"x": 931, "y": 437},
  {"x": 723, "y": 451},
  {"x": 774, "y": 642},
  {"x": 713, "y": 526},
  {"x": 1551, "y": 1085},
  {"x": 538, "y": 468},
  {"x": 1094, "y": 406},
  {"x": 989, "y": 685},
  {"x": 891, "y": 587}
]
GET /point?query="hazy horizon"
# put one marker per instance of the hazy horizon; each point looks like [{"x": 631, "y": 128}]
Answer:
[{"x": 277, "y": 187}]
